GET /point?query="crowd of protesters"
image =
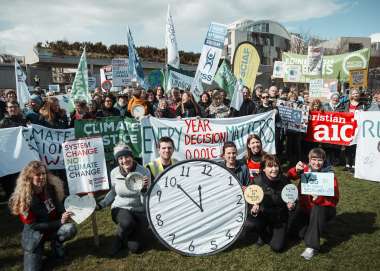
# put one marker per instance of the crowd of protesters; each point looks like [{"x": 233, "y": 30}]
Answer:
[{"x": 272, "y": 220}]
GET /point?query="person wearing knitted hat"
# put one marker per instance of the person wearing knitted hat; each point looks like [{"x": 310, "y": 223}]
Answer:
[
  {"x": 126, "y": 198},
  {"x": 31, "y": 111}
]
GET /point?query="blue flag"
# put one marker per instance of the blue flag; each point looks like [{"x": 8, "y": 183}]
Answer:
[{"x": 135, "y": 69}]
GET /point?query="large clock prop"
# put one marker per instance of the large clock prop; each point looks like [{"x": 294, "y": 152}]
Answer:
[{"x": 196, "y": 207}]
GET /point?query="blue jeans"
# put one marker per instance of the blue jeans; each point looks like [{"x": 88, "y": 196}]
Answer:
[{"x": 33, "y": 259}]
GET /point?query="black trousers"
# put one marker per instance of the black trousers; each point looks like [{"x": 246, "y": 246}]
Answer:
[
  {"x": 349, "y": 155},
  {"x": 311, "y": 226},
  {"x": 129, "y": 223},
  {"x": 271, "y": 232}
]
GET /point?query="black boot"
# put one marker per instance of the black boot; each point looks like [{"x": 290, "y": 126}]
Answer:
[{"x": 117, "y": 245}]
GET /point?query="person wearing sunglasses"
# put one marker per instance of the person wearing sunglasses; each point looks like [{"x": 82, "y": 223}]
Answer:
[{"x": 265, "y": 104}]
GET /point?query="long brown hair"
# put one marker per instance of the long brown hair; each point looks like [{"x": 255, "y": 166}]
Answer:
[
  {"x": 21, "y": 198},
  {"x": 249, "y": 154},
  {"x": 47, "y": 109},
  {"x": 195, "y": 105}
]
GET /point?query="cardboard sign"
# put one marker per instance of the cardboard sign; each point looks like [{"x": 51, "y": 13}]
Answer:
[
  {"x": 81, "y": 207},
  {"x": 317, "y": 183},
  {"x": 85, "y": 165},
  {"x": 359, "y": 78},
  {"x": 293, "y": 116},
  {"x": 254, "y": 194}
]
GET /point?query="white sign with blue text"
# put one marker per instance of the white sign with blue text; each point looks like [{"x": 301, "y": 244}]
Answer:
[{"x": 317, "y": 184}]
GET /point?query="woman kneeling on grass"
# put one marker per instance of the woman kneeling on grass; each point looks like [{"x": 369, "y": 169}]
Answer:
[
  {"x": 313, "y": 212},
  {"x": 127, "y": 209},
  {"x": 269, "y": 218},
  {"x": 37, "y": 200}
]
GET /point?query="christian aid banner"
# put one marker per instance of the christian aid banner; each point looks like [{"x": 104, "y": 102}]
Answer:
[
  {"x": 204, "y": 138},
  {"x": 331, "y": 127},
  {"x": 48, "y": 143},
  {"x": 85, "y": 165},
  {"x": 367, "y": 160}
]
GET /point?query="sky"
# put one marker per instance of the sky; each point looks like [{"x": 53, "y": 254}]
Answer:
[{"x": 24, "y": 23}]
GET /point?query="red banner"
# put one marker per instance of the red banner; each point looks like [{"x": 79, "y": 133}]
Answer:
[{"x": 331, "y": 127}]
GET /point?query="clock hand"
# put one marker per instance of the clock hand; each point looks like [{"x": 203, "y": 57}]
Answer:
[
  {"x": 180, "y": 188},
  {"x": 200, "y": 197}
]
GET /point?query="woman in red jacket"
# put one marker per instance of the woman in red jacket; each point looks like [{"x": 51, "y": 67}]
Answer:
[
  {"x": 313, "y": 212},
  {"x": 254, "y": 153}
]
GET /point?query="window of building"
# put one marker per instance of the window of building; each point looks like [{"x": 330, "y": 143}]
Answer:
[{"x": 354, "y": 47}]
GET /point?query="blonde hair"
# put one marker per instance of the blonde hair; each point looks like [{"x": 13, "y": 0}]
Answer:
[
  {"x": 21, "y": 198},
  {"x": 47, "y": 111}
]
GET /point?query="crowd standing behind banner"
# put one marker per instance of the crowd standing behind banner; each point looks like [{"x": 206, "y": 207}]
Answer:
[{"x": 307, "y": 218}]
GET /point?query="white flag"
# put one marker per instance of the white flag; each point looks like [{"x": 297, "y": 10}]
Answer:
[
  {"x": 22, "y": 90},
  {"x": 237, "y": 98},
  {"x": 171, "y": 41}
]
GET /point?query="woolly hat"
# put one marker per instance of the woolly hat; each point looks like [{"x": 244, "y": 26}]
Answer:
[
  {"x": 36, "y": 98},
  {"x": 121, "y": 149}
]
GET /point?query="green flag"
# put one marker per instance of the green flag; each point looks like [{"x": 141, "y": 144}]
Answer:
[
  {"x": 80, "y": 85},
  {"x": 225, "y": 78}
]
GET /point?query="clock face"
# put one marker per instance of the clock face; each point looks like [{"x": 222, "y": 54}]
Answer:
[
  {"x": 134, "y": 181},
  {"x": 196, "y": 207}
]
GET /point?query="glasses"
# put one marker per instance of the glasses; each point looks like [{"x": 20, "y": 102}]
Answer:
[{"x": 264, "y": 97}]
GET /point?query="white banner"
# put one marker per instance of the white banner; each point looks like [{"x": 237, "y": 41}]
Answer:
[
  {"x": 120, "y": 72},
  {"x": 204, "y": 138},
  {"x": 317, "y": 183},
  {"x": 85, "y": 165},
  {"x": 179, "y": 80},
  {"x": 210, "y": 56},
  {"x": 48, "y": 143},
  {"x": 367, "y": 160},
  {"x": 171, "y": 41},
  {"x": 22, "y": 90},
  {"x": 15, "y": 153}
]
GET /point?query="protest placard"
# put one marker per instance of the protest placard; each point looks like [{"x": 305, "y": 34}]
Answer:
[
  {"x": 367, "y": 160},
  {"x": 314, "y": 60},
  {"x": 112, "y": 130},
  {"x": 120, "y": 76},
  {"x": 292, "y": 73},
  {"x": 54, "y": 88},
  {"x": 106, "y": 77},
  {"x": 15, "y": 153},
  {"x": 359, "y": 78},
  {"x": 204, "y": 138},
  {"x": 278, "y": 69},
  {"x": 48, "y": 143},
  {"x": 317, "y": 183},
  {"x": 85, "y": 165},
  {"x": 91, "y": 83},
  {"x": 293, "y": 116},
  {"x": 331, "y": 127},
  {"x": 322, "y": 88}
]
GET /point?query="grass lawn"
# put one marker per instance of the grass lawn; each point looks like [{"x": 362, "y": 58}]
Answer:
[{"x": 351, "y": 243}]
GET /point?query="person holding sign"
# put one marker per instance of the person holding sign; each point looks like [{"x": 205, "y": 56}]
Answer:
[
  {"x": 269, "y": 217},
  {"x": 37, "y": 200},
  {"x": 129, "y": 183},
  {"x": 313, "y": 212},
  {"x": 253, "y": 156},
  {"x": 165, "y": 150}
]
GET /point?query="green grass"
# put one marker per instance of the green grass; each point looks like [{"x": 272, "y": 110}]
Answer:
[{"x": 351, "y": 243}]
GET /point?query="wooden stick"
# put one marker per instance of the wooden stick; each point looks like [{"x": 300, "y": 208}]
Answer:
[{"x": 94, "y": 226}]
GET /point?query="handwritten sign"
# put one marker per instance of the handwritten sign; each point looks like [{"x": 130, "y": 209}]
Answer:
[
  {"x": 289, "y": 193},
  {"x": 317, "y": 183},
  {"x": 81, "y": 207},
  {"x": 253, "y": 194}
]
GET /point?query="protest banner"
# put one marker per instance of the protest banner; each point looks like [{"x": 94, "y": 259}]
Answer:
[
  {"x": 171, "y": 42},
  {"x": 112, "y": 130},
  {"x": 106, "y": 78},
  {"x": 317, "y": 183},
  {"x": 204, "y": 138},
  {"x": 85, "y": 165},
  {"x": 179, "y": 80},
  {"x": 209, "y": 59},
  {"x": 359, "y": 78},
  {"x": 135, "y": 69},
  {"x": 48, "y": 143},
  {"x": 155, "y": 78},
  {"x": 292, "y": 73},
  {"x": 331, "y": 127},
  {"x": 322, "y": 88},
  {"x": 314, "y": 60},
  {"x": 22, "y": 90},
  {"x": 80, "y": 85},
  {"x": 225, "y": 78},
  {"x": 120, "y": 76},
  {"x": 293, "y": 116},
  {"x": 246, "y": 63},
  {"x": 333, "y": 67},
  {"x": 54, "y": 88},
  {"x": 278, "y": 69},
  {"x": 367, "y": 160},
  {"x": 15, "y": 153},
  {"x": 91, "y": 83}
]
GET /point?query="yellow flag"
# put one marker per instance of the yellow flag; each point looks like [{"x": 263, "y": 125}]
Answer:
[{"x": 246, "y": 63}]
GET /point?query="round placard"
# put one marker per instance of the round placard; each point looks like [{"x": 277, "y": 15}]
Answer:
[
  {"x": 253, "y": 194},
  {"x": 289, "y": 193},
  {"x": 138, "y": 111},
  {"x": 134, "y": 181}
]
